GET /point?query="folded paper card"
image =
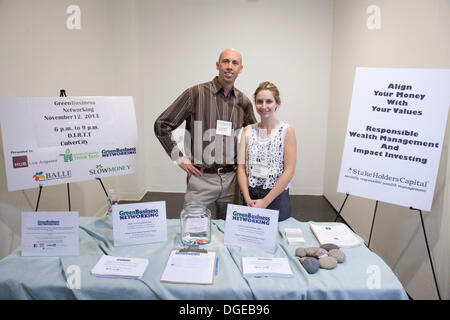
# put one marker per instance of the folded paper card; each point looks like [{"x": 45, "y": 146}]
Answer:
[
  {"x": 120, "y": 267},
  {"x": 266, "y": 267},
  {"x": 294, "y": 235}
]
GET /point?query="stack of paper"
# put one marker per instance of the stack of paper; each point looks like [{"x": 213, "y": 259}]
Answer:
[
  {"x": 266, "y": 267},
  {"x": 117, "y": 267},
  {"x": 338, "y": 234},
  {"x": 190, "y": 267},
  {"x": 294, "y": 235}
]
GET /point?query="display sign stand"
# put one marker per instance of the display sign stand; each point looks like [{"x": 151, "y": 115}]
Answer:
[
  {"x": 429, "y": 252},
  {"x": 373, "y": 222},
  {"x": 339, "y": 212},
  {"x": 62, "y": 93},
  {"x": 39, "y": 197},
  {"x": 424, "y": 233},
  {"x": 100, "y": 180}
]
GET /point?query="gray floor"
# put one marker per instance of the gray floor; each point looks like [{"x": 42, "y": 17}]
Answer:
[{"x": 304, "y": 208}]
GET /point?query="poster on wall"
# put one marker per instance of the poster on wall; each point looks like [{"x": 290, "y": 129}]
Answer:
[
  {"x": 54, "y": 140},
  {"x": 395, "y": 133}
]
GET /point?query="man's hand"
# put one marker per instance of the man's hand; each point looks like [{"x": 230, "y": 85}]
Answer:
[{"x": 185, "y": 164}]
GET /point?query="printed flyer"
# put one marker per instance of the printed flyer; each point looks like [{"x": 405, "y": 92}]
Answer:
[{"x": 50, "y": 234}]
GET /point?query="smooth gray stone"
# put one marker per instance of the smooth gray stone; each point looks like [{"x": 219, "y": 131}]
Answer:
[
  {"x": 327, "y": 262},
  {"x": 311, "y": 265},
  {"x": 329, "y": 246},
  {"x": 310, "y": 251},
  {"x": 300, "y": 252},
  {"x": 320, "y": 253},
  {"x": 338, "y": 254}
]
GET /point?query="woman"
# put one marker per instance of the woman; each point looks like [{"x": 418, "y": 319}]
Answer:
[{"x": 267, "y": 157}]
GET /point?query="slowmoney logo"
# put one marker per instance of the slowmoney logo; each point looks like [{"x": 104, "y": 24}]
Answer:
[{"x": 39, "y": 176}]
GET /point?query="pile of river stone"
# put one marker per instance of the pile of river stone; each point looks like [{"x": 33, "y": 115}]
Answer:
[{"x": 325, "y": 257}]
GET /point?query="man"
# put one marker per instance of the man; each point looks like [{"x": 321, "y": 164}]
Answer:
[{"x": 214, "y": 111}]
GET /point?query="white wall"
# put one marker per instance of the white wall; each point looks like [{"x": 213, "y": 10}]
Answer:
[
  {"x": 285, "y": 42},
  {"x": 413, "y": 34},
  {"x": 153, "y": 50}
]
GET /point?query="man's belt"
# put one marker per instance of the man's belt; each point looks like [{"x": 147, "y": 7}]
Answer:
[{"x": 219, "y": 169}]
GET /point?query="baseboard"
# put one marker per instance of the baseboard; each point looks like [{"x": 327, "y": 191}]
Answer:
[
  {"x": 167, "y": 188},
  {"x": 132, "y": 196},
  {"x": 136, "y": 196},
  {"x": 182, "y": 189}
]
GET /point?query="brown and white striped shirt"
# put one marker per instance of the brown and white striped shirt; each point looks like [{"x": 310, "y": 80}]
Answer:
[{"x": 201, "y": 106}]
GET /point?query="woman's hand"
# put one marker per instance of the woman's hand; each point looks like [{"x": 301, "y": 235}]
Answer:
[
  {"x": 250, "y": 202},
  {"x": 260, "y": 203}
]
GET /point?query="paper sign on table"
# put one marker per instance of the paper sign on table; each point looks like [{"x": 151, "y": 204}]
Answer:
[
  {"x": 139, "y": 223},
  {"x": 50, "y": 233},
  {"x": 251, "y": 228}
]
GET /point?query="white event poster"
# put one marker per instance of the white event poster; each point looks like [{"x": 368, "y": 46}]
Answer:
[
  {"x": 395, "y": 135},
  {"x": 50, "y": 234},
  {"x": 251, "y": 228},
  {"x": 139, "y": 223},
  {"x": 57, "y": 140}
]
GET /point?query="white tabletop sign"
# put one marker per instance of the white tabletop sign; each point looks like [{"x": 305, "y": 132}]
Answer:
[
  {"x": 251, "y": 228},
  {"x": 50, "y": 234},
  {"x": 395, "y": 135},
  {"x": 139, "y": 223}
]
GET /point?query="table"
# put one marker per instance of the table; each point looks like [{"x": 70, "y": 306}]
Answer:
[{"x": 46, "y": 277}]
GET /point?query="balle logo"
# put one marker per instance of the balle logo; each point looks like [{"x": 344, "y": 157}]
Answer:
[{"x": 39, "y": 176}]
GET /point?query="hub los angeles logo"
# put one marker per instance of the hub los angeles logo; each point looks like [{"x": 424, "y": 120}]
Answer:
[{"x": 20, "y": 161}]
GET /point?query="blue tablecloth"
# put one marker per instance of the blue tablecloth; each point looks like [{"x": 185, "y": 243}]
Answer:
[{"x": 46, "y": 277}]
